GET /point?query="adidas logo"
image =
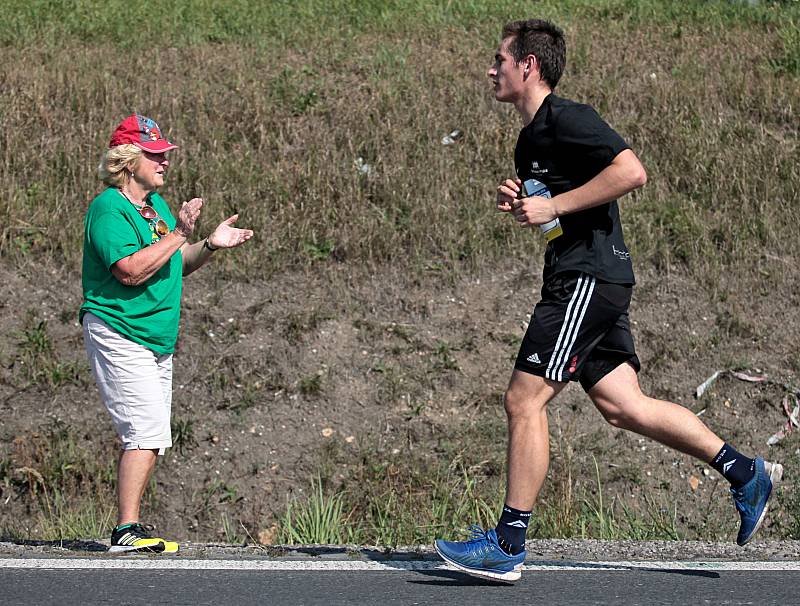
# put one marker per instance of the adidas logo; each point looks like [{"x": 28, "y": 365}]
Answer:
[
  {"x": 517, "y": 524},
  {"x": 534, "y": 358},
  {"x": 727, "y": 466}
]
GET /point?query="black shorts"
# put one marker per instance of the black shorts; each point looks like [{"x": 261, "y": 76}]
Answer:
[{"x": 579, "y": 331}]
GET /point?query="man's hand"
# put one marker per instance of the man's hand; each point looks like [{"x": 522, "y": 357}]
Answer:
[
  {"x": 228, "y": 236},
  {"x": 187, "y": 217},
  {"x": 507, "y": 192},
  {"x": 533, "y": 211}
]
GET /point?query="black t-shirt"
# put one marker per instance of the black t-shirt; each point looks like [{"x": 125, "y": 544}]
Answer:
[{"x": 565, "y": 145}]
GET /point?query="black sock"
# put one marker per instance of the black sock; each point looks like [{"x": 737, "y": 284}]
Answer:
[
  {"x": 511, "y": 529},
  {"x": 734, "y": 466}
]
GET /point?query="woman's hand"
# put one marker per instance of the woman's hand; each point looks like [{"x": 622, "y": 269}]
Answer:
[
  {"x": 228, "y": 236},
  {"x": 187, "y": 217}
]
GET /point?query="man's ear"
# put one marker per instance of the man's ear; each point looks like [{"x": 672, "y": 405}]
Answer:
[{"x": 530, "y": 64}]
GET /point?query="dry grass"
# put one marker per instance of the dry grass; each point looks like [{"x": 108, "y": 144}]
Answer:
[{"x": 275, "y": 132}]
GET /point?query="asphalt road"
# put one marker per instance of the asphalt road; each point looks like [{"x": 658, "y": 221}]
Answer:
[
  {"x": 556, "y": 572},
  {"x": 66, "y": 581}
]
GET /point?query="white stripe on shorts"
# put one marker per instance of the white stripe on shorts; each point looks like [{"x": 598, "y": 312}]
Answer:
[{"x": 576, "y": 309}]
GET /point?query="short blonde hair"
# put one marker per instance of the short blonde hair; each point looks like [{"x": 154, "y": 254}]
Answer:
[{"x": 115, "y": 161}]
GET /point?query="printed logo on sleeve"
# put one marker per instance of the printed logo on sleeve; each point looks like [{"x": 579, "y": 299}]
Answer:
[{"x": 623, "y": 255}]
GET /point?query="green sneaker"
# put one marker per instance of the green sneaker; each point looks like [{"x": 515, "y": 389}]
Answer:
[{"x": 136, "y": 537}]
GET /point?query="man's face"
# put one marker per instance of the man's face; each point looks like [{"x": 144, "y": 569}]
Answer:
[{"x": 507, "y": 77}]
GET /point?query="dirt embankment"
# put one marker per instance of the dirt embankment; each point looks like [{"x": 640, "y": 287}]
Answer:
[{"x": 277, "y": 381}]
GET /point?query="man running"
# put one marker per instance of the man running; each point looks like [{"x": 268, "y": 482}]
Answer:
[{"x": 571, "y": 168}]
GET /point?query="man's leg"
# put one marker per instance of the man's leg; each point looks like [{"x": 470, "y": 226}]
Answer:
[
  {"x": 134, "y": 469},
  {"x": 620, "y": 400},
  {"x": 500, "y": 552},
  {"x": 528, "y": 454}
]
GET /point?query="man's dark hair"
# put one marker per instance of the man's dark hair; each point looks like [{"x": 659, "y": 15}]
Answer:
[{"x": 544, "y": 41}]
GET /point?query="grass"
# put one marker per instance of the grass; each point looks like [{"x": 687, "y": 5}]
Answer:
[
  {"x": 86, "y": 518},
  {"x": 204, "y": 21},
  {"x": 413, "y": 499},
  {"x": 38, "y": 363},
  {"x": 69, "y": 485},
  {"x": 245, "y": 120},
  {"x": 320, "y": 519}
]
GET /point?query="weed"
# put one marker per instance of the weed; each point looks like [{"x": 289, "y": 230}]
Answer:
[
  {"x": 231, "y": 531},
  {"x": 218, "y": 491},
  {"x": 443, "y": 357},
  {"x": 605, "y": 525},
  {"x": 732, "y": 324},
  {"x": 85, "y": 517},
  {"x": 393, "y": 382},
  {"x": 183, "y": 434},
  {"x": 298, "y": 324},
  {"x": 789, "y": 59},
  {"x": 660, "y": 522},
  {"x": 319, "y": 520},
  {"x": 70, "y": 486},
  {"x": 415, "y": 409},
  {"x": 37, "y": 360},
  {"x": 310, "y": 385},
  {"x": 319, "y": 250}
]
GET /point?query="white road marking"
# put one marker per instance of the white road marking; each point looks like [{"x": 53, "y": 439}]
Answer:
[{"x": 167, "y": 563}]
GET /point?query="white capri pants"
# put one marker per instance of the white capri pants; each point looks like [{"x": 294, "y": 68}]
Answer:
[{"x": 135, "y": 385}]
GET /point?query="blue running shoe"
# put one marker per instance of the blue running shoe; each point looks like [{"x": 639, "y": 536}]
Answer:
[
  {"x": 481, "y": 556},
  {"x": 752, "y": 499}
]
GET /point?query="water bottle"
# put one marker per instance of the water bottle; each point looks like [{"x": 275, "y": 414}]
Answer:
[{"x": 532, "y": 187}]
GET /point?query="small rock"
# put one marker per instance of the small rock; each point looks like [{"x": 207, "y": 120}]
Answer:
[{"x": 268, "y": 535}]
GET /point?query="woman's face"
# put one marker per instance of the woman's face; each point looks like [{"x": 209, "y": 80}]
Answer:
[{"x": 149, "y": 171}]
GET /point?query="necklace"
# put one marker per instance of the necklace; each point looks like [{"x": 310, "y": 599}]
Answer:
[
  {"x": 158, "y": 226},
  {"x": 124, "y": 195}
]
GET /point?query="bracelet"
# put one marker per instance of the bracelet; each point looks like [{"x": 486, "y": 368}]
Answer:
[{"x": 207, "y": 244}]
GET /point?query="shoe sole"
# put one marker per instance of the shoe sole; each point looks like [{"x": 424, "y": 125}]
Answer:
[
  {"x": 775, "y": 477},
  {"x": 509, "y": 577},
  {"x": 161, "y": 548}
]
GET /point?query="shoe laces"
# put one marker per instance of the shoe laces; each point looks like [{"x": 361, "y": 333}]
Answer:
[
  {"x": 142, "y": 530},
  {"x": 478, "y": 534}
]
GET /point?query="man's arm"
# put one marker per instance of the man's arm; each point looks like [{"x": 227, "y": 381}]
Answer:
[{"x": 623, "y": 175}]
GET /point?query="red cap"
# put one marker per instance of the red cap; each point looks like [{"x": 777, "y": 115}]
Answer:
[{"x": 141, "y": 132}]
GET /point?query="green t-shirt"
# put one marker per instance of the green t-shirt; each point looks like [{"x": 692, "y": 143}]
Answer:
[{"x": 149, "y": 313}]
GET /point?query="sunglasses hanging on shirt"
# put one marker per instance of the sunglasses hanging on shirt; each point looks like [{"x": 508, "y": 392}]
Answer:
[{"x": 158, "y": 224}]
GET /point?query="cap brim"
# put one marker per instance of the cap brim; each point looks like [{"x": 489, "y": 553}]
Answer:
[{"x": 156, "y": 147}]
